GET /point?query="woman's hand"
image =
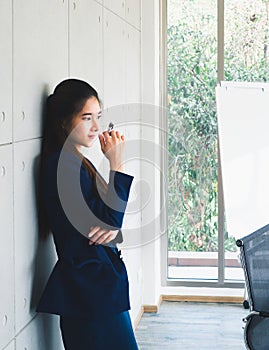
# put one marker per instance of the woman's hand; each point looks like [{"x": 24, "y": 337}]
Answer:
[
  {"x": 100, "y": 235},
  {"x": 113, "y": 148}
]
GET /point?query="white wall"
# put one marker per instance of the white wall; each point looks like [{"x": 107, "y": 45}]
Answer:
[
  {"x": 150, "y": 151},
  {"x": 41, "y": 43}
]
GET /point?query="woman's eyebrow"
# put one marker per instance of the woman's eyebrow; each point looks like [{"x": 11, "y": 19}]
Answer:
[{"x": 90, "y": 113}]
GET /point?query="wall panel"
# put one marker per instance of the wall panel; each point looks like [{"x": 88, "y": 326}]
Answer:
[
  {"x": 133, "y": 12},
  {"x": 86, "y": 42},
  {"x": 10, "y": 346},
  {"x": 132, "y": 124},
  {"x": 40, "y": 59},
  {"x": 25, "y": 227},
  {"x": 114, "y": 70},
  {"x": 114, "y": 60},
  {"x": 133, "y": 66},
  {"x": 5, "y": 71},
  {"x": 6, "y": 246},
  {"x": 117, "y": 6},
  {"x": 132, "y": 109},
  {"x": 41, "y": 334}
]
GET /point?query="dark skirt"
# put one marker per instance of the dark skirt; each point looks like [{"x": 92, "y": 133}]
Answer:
[{"x": 114, "y": 332}]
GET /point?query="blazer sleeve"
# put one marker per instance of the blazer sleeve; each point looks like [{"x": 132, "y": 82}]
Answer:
[{"x": 83, "y": 205}]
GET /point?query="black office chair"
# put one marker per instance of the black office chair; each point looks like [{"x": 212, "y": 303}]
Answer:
[{"x": 254, "y": 254}]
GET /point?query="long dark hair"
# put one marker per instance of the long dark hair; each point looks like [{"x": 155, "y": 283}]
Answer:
[{"x": 68, "y": 99}]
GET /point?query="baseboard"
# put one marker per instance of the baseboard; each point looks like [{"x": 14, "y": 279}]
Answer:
[
  {"x": 153, "y": 308},
  {"x": 204, "y": 298},
  {"x": 138, "y": 317},
  {"x": 147, "y": 308}
]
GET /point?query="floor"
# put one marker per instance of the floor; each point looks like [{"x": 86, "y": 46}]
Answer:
[{"x": 191, "y": 326}]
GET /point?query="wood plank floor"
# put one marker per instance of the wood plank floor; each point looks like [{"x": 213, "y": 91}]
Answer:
[{"x": 191, "y": 326}]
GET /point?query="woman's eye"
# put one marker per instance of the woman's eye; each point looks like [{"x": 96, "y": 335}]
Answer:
[{"x": 90, "y": 118}]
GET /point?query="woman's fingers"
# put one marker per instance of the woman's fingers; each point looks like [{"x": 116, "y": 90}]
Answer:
[
  {"x": 113, "y": 148},
  {"x": 113, "y": 135},
  {"x": 106, "y": 136},
  {"x": 106, "y": 237},
  {"x": 94, "y": 230},
  {"x": 101, "y": 236},
  {"x": 95, "y": 233},
  {"x": 110, "y": 236}
]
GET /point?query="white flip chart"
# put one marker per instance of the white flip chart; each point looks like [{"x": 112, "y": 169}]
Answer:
[{"x": 243, "y": 125}]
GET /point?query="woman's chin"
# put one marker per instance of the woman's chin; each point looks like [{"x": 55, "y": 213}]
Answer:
[{"x": 88, "y": 144}]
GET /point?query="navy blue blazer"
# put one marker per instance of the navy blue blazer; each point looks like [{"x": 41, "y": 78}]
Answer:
[{"x": 87, "y": 280}]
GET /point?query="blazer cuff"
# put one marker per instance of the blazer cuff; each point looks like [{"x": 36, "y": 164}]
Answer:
[
  {"x": 121, "y": 177},
  {"x": 118, "y": 190}
]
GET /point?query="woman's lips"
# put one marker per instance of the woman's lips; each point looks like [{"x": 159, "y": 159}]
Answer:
[{"x": 92, "y": 136}]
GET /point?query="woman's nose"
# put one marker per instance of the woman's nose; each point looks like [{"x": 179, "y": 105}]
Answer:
[{"x": 95, "y": 125}]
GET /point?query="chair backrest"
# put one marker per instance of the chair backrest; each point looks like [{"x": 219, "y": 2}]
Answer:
[{"x": 254, "y": 252}]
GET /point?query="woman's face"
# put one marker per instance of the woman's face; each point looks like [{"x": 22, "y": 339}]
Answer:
[{"x": 85, "y": 125}]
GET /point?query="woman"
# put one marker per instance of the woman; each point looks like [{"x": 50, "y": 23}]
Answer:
[{"x": 88, "y": 286}]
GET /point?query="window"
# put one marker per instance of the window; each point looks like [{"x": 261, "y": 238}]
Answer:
[{"x": 198, "y": 249}]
